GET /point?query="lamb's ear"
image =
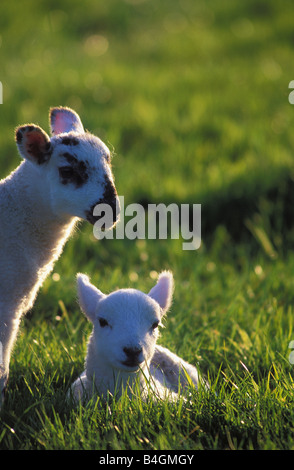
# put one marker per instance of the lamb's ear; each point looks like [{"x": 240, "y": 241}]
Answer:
[
  {"x": 65, "y": 120},
  {"x": 162, "y": 292},
  {"x": 33, "y": 143},
  {"x": 88, "y": 295}
]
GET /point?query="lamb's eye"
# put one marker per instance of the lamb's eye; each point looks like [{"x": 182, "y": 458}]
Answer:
[
  {"x": 102, "y": 322},
  {"x": 155, "y": 325},
  {"x": 66, "y": 172}
]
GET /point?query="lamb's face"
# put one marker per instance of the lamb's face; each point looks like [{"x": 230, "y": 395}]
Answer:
[
  {"x": 126, "y": 329},
  {"x": 125, "y": 322},
  {"x": 79, "y": 176},
  {"x": 73, "y": 167}
]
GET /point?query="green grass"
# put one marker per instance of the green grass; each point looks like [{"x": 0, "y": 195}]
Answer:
[{"x": 193, "y": 99}]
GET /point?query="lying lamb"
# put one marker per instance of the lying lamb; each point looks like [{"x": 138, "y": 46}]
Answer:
[
  {"x": 61, "y": 179},
  {"x": 122, "y": 348}
]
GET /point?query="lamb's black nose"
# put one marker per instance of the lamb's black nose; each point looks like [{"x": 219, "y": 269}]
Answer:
[
  {"x": 110, "y": 198},
  {"x": 132, "y": 356},
  {"x": 132, "y": 352}
]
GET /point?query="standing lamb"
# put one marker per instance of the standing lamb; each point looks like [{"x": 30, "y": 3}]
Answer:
[
  {"x": 122, "y": 348},
  {"x": 60, "y": 180}
]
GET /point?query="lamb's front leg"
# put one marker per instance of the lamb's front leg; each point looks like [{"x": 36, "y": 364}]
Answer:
[{"x": 9, "y": 325}]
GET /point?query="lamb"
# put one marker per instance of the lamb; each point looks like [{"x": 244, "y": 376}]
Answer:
[
  {"x": 60, "y": 180},
  {"x": 122, "y": 348}
]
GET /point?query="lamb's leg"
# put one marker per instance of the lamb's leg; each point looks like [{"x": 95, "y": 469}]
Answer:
[{"x": 8, "y": 331}]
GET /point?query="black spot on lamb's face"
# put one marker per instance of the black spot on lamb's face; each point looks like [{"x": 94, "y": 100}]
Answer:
[
  {"x": 73, "y": 172},
  {"x": 70, "y": 140}
]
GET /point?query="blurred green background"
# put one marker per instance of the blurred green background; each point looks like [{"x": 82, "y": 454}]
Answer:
[{"x": 192, "y": 98}]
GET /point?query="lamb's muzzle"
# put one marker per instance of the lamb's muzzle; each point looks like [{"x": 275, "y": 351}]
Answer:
[
  {"x": 134, "y": 357},
  {"x": 110, "y": 198}
]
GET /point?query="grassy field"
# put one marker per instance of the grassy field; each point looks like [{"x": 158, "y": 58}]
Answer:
[{"x": 192, "y": 98}]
